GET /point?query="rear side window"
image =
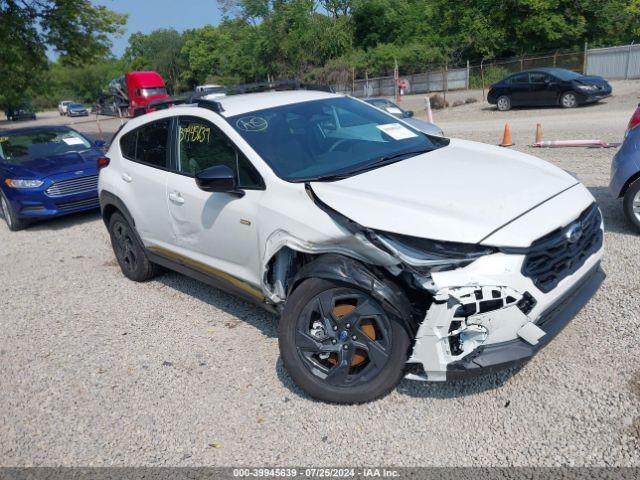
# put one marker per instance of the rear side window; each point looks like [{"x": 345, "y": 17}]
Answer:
[
  {"x": 128, "y": 145},
  {"x": 521, "y": 78},
  {"x": 148, "y": 144}
]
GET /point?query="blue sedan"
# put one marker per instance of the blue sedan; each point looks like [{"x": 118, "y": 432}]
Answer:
[
  {"x": 46, "y": 172},
  {"x": 625, "y": 171}
]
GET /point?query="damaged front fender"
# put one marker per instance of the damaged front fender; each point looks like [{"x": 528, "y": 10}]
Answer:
[{"x": 349, "y": 271}]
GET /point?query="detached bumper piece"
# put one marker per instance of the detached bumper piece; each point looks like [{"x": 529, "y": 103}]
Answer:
[{"x": 515, "y": 352}]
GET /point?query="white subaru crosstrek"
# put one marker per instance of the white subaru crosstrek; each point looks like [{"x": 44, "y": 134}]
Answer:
[{"x": 385, "y": 251}]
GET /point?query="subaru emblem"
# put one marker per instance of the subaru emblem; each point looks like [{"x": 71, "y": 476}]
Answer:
[{"x": 574, "y": 233}]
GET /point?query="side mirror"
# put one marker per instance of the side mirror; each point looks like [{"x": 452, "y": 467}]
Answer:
[
  {"x": 408, "y": 113},
  {"x": 218, "y": 178},
  {"x": 99, "y": 143}
]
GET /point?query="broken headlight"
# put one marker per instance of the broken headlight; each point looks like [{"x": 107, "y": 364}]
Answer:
[{"x": 428, "y": 254}]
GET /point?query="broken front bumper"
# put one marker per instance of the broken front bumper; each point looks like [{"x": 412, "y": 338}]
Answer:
[
  {"x": 552, "y": 321},
  {"x": 489, "y": 315}
]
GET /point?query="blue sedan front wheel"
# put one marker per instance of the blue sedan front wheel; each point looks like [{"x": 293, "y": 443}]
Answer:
[{"x": 13, "y": 222}]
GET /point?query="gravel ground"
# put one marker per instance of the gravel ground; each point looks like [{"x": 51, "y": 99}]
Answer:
[{"x": 97, "y": 370}]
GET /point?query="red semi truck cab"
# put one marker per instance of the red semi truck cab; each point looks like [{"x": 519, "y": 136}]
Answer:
[{"x": 143, "y": 88}]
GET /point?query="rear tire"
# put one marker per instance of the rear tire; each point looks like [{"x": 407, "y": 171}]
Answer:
[
  {"x": 503, "y": 103},
  {"x": 129, "y": 252},
  {"x": 569, "y": 100},
  {"x": 10, "y": 216},
  {"x": 631, "y": 204},
  {"x": 336, "y": 355}
]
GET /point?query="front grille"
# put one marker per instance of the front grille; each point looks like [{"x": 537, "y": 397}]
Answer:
[
  {"x": 555, "y": 256},
  {"x": 89, "y": 203},
  {"x": 73, "y": 186}
]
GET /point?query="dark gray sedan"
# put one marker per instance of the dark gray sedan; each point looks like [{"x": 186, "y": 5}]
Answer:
[
  {"x": 406, "y": 115},
  {"x": 77, "y": 110}
]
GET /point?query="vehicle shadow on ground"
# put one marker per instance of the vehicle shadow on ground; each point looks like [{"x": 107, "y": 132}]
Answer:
[
  {"x": 614, "y": 219},
  {"x": 490, "y": 107},
  {"x": 242, "y": 310},
  {"x": 68, "y": 221},
  {"x": 439, "y": 390}
]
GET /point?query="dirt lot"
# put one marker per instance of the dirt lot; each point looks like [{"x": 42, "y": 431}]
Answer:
[{"x": 97, "y": 370}]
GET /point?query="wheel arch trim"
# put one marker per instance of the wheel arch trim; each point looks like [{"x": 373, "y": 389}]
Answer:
[
  {"x": 346, "y": 270},
  {"x": 109, "y": 202}
]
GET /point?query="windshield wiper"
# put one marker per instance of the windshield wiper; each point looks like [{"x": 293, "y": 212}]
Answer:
[
  {"x": 396, "y": 156},
  {"x": 379, "y": 162}
]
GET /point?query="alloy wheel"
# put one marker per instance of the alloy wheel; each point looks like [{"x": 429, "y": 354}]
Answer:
[
  {"x": 5, "y": 211},
  {"x": 124, "y": 246},
  {"x": 343, "y": 337},
  {"x": 569, "y": 100},
  {"x": 636, "y": 206}
]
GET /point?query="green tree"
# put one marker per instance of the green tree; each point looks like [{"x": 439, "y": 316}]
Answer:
[
  {"x": 160, "y": 50},
  {"x": 77, "y": 31}
]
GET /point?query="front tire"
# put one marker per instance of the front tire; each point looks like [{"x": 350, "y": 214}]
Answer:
[
  {"x": 338, "y": 343},
  {"x": 503, "y": 103},
  {"x": 10, "y": 216},
  {"x": 569, "y": 100},
  {"x": 129, "y": 251},
  {"x": 631, "y": 204}
]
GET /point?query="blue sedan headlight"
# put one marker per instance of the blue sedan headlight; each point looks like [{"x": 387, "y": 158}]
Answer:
[{"x": 17, "y": 183}]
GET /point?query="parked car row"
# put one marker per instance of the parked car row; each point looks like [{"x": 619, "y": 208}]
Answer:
[
  {"x": 346, "y": 221},
  {"x": 72, "y": 109}
]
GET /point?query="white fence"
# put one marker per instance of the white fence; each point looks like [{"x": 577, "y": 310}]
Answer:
[{"x": 621, "y": 62}]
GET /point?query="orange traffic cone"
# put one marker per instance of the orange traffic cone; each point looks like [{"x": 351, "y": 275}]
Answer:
[
  {"x": 506, "y": 137},
  {"x": 538, "y": 133}
]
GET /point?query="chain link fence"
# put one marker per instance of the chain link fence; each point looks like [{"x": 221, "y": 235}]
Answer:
[{"x": 612, "y": 62}]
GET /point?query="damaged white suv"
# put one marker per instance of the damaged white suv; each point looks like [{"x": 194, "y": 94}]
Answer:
[{"x": 386, "y": 252}]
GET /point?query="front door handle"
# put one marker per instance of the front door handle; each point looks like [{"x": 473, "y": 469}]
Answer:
[
  {"x": 175, "y": 197},
  {"x": 126, "y": 177}
]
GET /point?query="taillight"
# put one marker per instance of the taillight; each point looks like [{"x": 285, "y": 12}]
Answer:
[
  {"x": 103, "y": 162},
  {"x": 635, "y": 119}
]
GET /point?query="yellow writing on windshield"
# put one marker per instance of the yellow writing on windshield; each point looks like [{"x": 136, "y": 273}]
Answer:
[{"x": 195, "y": 133}]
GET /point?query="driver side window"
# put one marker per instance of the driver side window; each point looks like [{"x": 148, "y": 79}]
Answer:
[{"x": 202, "y": 145}]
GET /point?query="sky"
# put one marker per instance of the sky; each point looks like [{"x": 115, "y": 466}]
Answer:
[{"x": 148, "y": 15}]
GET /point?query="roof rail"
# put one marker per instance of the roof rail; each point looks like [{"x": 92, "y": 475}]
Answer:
[
  {"x": 188, "y": 99},
  {"x": 277, "y": 85}
]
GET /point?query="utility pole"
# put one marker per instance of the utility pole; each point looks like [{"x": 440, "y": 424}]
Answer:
[
  {"x": 584, "y": 59},
  {"x": 396, "y": 78}
]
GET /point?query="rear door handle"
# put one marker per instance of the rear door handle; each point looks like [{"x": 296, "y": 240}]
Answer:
[
  {"x": 175, "y": 197},
  {"x": 126, "y": 177}
]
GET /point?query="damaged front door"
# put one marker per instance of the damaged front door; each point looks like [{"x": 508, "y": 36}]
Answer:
[{"x": 218, "y": 229}]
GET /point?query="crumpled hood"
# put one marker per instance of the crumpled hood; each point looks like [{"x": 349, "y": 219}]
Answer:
[
  {"x": 462, "y": 192},
  {"x": 42, "y": 167}
]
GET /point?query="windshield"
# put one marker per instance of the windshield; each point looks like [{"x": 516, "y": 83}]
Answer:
[
  {"x": 323, "y": 139},
  {"x": 76, "y": 105},
  {"x": 565, "y": 75},
  {"x": 19, "y": 148},
  {"x": 147, "y": 92},
  {"x": 213, "y": 89},
  {"x": 387, "y": 106}
]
